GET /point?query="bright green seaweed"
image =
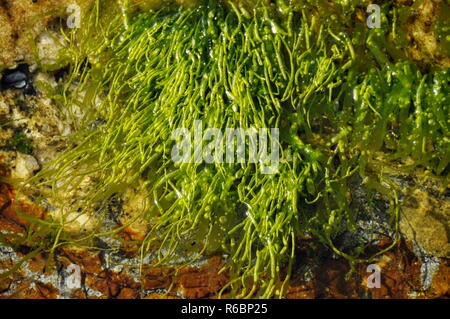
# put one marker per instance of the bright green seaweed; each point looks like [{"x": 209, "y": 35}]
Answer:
[{"x": 293, "y": 68}]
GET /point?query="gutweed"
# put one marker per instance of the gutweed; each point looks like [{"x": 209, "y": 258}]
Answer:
[{"x": 287, "y": 66}]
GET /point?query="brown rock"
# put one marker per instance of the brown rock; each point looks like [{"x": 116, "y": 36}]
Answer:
[
  {"x": 10, "y": 226},
  {"x": 96, "y": 284},
  {"x": 89, "y": 262},
  {"x": 121, "y": 280},
  {"x": 78, "y": 294},
  {"x": 5, "y": 283},
  {"x": 114, "y": 289},
  {"x": 400, "y": 275},
  {"x": 157, "y": 278},
  {"x": 330, "y": 281},
  {"x": 160, "y": 296},
  {"x": 202, "y": 282},
  {"x": 28, "y": 290},
  {"x": 47, "y": 291},
  {"x": 17, "y": 212},
  {"x": 298, "y": 291},
  {"x": 440, "y": 287},
  {"x": 128, "y": 293},
  {"x": 37, "y": 263}
]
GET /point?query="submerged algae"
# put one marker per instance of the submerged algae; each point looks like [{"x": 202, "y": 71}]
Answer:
[{"x": 291, "y": 69}]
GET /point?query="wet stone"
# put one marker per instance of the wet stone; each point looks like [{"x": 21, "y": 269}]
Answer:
[{"x": 19, "y": 78}]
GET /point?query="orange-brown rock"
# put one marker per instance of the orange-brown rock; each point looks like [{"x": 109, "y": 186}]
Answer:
[
  {"x": 128, "y": 293},
  {"x": 89, "y": 262},
  {"x": 202, "y": 282}
]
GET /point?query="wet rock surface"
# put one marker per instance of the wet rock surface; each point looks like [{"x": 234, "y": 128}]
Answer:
[
  {"x": 400, "y": 277},
  {"x": 426, "y": 223},
  {"x": 74, "y": 272},
  {"x": 23, "y": 21},
  {"x": 417, "y": 267}
]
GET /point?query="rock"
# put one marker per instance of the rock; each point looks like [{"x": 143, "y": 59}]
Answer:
[
  {"x": 22, "y": 21},
  {"x": 77, "y": 220},
  {"x": 128, "y": 293},
  {"x": 25, "y": 166},
  {"x": 135, "y": 204},
  {"x": 75, "y": 223},
  {"x": 425, "y": 221},
  {"x": 49, "y": 44},
  {"x": 425, "y": 47},
  {"x": 89, "y": 262}
]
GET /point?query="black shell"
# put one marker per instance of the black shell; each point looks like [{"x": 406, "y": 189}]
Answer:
[{"x": 19, "y": 78}]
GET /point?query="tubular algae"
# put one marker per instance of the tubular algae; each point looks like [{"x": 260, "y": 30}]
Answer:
[{"x": 293, "y": 66}]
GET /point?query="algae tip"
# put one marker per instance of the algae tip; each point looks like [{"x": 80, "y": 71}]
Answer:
[{"x": 124, "y": 10}]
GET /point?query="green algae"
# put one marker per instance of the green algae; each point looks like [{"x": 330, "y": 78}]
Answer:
[
  {"x": 20, "y": 142},
  {"x": 441, "y": 27},
  {"x": 296, "y": 68}
]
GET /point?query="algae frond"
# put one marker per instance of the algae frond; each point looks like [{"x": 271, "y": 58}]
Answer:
[{"x": 307, "y": 71}]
